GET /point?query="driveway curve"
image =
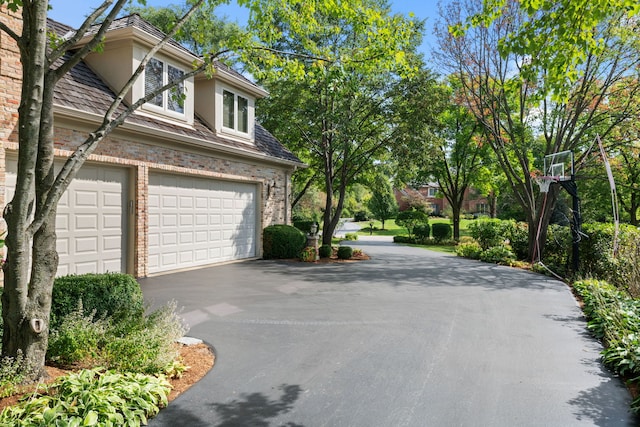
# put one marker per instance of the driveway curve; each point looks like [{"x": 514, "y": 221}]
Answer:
[{"x": 409, "y": 338}]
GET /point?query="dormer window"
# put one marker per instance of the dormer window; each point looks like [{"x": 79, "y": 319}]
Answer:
[
  {"x": 159, "y": 73},
  {"x": 235, "y": 113}
]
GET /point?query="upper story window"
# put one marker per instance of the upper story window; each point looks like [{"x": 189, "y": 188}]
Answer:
[
  {"x": 235, "y": 112},
  {"x": 159, "y": 73},
  {"x": 433, "y": 192}
]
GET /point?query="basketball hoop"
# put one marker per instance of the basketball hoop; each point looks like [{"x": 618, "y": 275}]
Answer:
[{"x": 544, "y": 182}]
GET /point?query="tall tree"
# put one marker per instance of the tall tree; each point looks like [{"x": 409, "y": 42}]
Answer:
[
  {"x": 336, "y": 115},
  {"x": 382, "y": 204},
  {"x": 512, "y": 106}
]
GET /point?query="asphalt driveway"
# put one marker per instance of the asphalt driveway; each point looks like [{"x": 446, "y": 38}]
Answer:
[{"x": 409, "y": 338}]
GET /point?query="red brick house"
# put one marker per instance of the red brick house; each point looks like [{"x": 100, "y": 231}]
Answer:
[
  {"x": 430, "y": 195},
  {"x": 178, "y": 185}
]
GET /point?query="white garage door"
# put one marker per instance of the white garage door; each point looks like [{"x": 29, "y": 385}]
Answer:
[
  {"x": 198, "y": 221},
  {"x": 91, "y": 220}
]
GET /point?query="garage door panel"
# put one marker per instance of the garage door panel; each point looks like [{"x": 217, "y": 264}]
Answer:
[
  {"x": 90, "y": 221},
  {"x": 206, "y": 215}
]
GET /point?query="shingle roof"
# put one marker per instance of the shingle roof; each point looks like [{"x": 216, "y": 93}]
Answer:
[{"x": 83, "y": 90}]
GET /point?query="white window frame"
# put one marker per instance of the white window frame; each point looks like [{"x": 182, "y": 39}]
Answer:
[
  {"x": 236, "y": 116},
  {"x": 164, "y": 108},
  {"x": 432, "y": 192}
]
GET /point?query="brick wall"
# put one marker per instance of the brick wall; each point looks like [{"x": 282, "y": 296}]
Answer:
[
  {"x": 10, "y": 85},
  {"x": 143, "y": 157}
]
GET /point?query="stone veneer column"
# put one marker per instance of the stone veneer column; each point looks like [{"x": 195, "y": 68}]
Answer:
[{"x": 141, "y": 222}]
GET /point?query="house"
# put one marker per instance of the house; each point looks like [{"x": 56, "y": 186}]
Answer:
[
  {"x": 178, "y": 185},
  {"x": 430, "y": 195}
]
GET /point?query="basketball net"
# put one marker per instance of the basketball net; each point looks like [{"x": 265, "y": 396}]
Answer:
[{"x": 544, "y": 182}]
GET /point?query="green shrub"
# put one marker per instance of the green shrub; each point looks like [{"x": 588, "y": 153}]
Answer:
[
  {"x": 304, "y": 225},
  {"x": 422, "y": 231},
  {"x": 614, "y": 317},
  {"x": 410, "y": 218},
  {"x": 137, "y": 344},
  {"x": 491, "y": 232},
  {"x": 13, "y": 371},
  {"x": 351, "y": 236},
  {"x": 113, "y": 295},
  {"x": 403, "y": 239},
  {"x": 78, "y": 337},
  {"x": 441, "y": 231},
  {"x": 145, "y": 346},
  {"x": 498, "y": 255},
  {"x": 308, "y": 254},
  {"x": 92, "y": 397},
  {"x": 282, "y": 241},
  {"x": 325, "y": 251},
  {"x": 345, "y": 252},
  {"x": 469, "y": 250},
  {"x": 519, "y": 240},
  {"x": 361, "y": 216}
]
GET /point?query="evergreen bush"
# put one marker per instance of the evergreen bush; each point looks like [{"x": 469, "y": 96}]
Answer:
[
  {"x": 422, "y": 231},
  {"x": 345, "y": 252},
  {"x": 282, "y": 241},
  {"x": 113, "y": 295},
  {"x": 325, "y": 251},
  {"x": 441, "y": 231}
]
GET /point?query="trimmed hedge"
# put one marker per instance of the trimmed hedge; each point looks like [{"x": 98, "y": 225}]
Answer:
[
  {"x": 422, "y": 231},
  {"x": 441, "y": 231},
  {"x": 325, "y": 251},
  {"x": 345, "y": 252},
  {"x": 112, "y": 295},
  {"x": 282, "y": 241},
  {"x": 304, "y": 225}
]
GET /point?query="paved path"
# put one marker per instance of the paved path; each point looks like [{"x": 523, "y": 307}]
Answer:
[{"x": 410, "y": 338}]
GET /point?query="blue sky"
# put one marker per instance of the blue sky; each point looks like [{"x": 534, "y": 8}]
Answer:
[{"x": 72, "y": 12}]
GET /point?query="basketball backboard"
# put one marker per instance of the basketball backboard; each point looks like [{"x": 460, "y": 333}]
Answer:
[{"x": 559, "y": 165}]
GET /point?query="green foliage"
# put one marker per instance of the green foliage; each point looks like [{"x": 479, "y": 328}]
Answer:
[
  {"x": 422, "y": 231},
  {"x": 410, "y": 218},
  {"x": 501, "y": 254},
  {"x": 145, "y": 345},
  {"x": 557, "y": 249},
  {"x": 113, "y": 295},
  {"x": 351, "y": 236},
  {"x": 282, "y": 241},
  {"x": 382, "y": 204},
  {"x": 304, "y": 225},
  {"x": 441, "y": 231},
  {"x": 491, "y": 232},
  {"x": 136, "y": 344},
  {"x": 345, "y": 252},
  {"x": 361, "y": 216},
  {"x": 597, "y": 258},
  {"x": 471, "y": 250},
  {"x": 403, "y": 239},
  {"x": 92, "y": 397},
  {"x": 614, "y": 317},
  {"x": 325, "y": 251},
  {"x": 13, "y": 371},
  {"x": 308, "y": 254},
  {"x": 78, "y": 337}
]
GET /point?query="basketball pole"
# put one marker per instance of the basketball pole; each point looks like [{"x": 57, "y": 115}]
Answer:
[{"x": 576, "y": 230}]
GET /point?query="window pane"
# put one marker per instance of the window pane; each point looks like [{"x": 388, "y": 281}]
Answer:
[
  {"x": 243, "y": 114},
  {"x": 153, "y": 80},
  {"x": 175, "y": 101},
  {"x": 228, "y": 110}
]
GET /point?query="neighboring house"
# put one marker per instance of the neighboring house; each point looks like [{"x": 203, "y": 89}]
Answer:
[
  {"x": 176, "y": 186},
  {"x": 430, "y": 195}
]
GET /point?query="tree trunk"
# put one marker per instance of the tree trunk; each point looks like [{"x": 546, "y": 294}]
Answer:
[{"x": 455, "y": 213}]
